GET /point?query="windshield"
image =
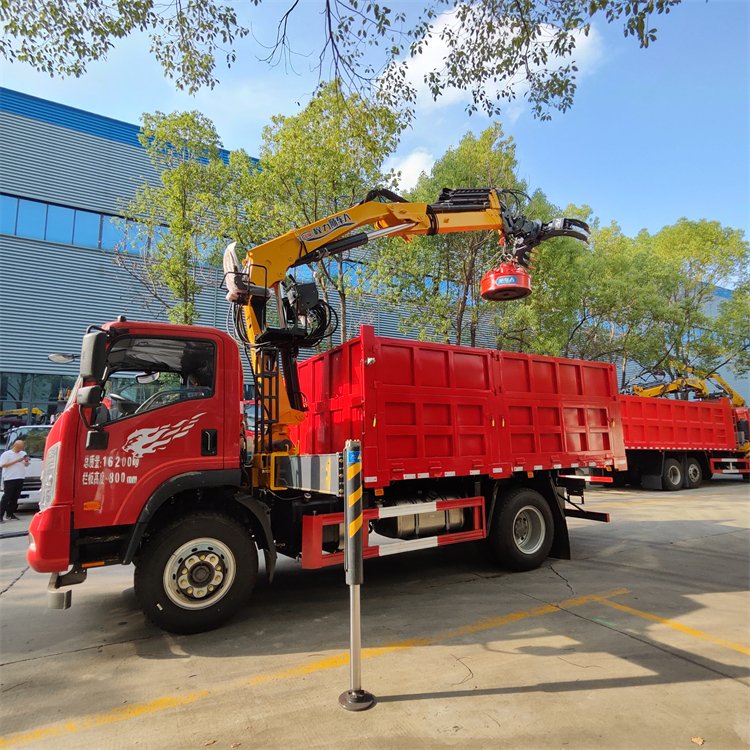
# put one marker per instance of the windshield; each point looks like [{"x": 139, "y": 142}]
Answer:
[{"x": 178, "y": 369}]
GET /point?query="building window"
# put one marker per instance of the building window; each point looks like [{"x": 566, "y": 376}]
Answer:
[
  {"x": 37, "y": 220},
  {"x": 8, "y": 212},
  {"x": 113, "y": 232},
  {"x": 86, "y": 229},
  {"x": 136, "y": 237},
  {"x": 32, "y": 216},
  {"x": 59, "y": 224}
]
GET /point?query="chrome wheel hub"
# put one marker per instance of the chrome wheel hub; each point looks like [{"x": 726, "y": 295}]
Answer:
[
  {"x": 529, "y": 530},
  {"x": 199, "y": 573}
]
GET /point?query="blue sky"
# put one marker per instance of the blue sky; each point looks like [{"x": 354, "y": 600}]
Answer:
[{"x": 653, "y": 135}]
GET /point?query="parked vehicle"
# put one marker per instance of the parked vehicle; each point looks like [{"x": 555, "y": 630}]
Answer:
[
  {"x": 673, "y": 444},
  {"x": 35, "y": 438},
  {"x": 457, "y": 444}
]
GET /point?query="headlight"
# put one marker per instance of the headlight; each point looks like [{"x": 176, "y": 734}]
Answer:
[{"x": 49, "y": 477}]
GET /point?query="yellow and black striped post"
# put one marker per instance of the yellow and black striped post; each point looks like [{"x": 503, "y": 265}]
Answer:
[{"x": 354, "y": 699}]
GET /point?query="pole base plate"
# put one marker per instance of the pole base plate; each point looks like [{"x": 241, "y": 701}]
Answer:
[{"x": 356, "y": 700}]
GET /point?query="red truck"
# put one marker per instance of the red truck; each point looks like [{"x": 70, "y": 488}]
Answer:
[
  {"x": 457, "y": 445},
  {"x": 673, "y": 443}
]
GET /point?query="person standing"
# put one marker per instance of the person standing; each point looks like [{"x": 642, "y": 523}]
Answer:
[{"x": 13, "y": 463}]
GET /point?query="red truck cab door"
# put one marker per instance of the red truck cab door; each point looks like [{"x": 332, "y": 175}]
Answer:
[{"x": 162, "y": 417}]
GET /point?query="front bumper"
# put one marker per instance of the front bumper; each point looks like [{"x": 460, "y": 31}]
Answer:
[{"x": 49, "y": 540}]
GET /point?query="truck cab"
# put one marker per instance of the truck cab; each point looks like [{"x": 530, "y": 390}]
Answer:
[{"x": 153, "y": 430}]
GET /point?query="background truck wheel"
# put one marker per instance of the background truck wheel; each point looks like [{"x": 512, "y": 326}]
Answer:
[
  {"x": 522, "y": 530},
  {"x": 694, "y": 473},
  {"x": 196, "y": 573},
  {"x": 671, "y": 477}
]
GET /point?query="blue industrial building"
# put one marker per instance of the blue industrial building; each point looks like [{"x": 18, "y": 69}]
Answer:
[{"x": 66, "y": 174}]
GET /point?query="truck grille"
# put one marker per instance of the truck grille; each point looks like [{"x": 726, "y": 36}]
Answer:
[{"x": 34, "y": 483}]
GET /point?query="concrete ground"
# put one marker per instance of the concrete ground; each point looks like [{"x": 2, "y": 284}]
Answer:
[{"x": 641, "y": 641}]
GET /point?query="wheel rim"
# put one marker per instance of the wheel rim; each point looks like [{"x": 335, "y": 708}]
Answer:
[
  {"x": 674, "y": 476},
  {"x": 199, "y": 573},
  {"x": 529, "y": 530},
  {"x": 694, "y": 473}
]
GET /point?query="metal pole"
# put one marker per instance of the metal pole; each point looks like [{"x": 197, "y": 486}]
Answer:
[{"x": 354, "y": 699}]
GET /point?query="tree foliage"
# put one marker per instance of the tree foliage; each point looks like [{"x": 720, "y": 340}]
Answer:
[
  {"x": 61, "y": 37},
  {"x": 647, "y": 303},
  {"x": 497, "y": 49},
  {"x": 693, "y": 259},
  {"x": 434, "y": 282},
  {"x": 319, "y": 162},
  {"x": 177, "y": 231},
  {"x": 313, "y": 164}
]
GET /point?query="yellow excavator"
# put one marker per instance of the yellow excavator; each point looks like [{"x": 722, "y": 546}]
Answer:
[{"x": 695, "y": 382}]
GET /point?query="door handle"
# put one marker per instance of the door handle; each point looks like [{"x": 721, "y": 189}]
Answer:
[{"x": 209, "y": 442}]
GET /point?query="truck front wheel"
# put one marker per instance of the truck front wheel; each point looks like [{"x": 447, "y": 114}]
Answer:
[
  {"x": 196, "y": 573},
  {"x": 522, "y": 530}
]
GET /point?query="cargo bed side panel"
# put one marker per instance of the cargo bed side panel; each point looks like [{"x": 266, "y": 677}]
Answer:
[
  {"x": 670, "y": 424},
  {"x": 428, "y": 410}
]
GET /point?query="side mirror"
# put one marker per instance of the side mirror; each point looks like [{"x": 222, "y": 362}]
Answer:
[
  {"x": 94, "y": 356},
  {"x": 89, "y": 395}
]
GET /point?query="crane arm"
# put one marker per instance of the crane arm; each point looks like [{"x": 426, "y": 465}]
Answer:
[
  {"x": 262, "y": 272},
  {"x": 678, "y": 385}
]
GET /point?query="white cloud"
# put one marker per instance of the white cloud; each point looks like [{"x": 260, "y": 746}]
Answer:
[
  {"x": 411, "y": 166},
  {"x": 587, "y": 55}
]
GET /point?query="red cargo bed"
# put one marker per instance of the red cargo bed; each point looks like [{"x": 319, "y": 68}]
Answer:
[
  {"x": 670, "y": 424},
  {"x": 433, "y": 410}
]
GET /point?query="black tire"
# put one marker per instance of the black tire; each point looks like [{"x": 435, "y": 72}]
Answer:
[
  {"x": 205, "y": 591},
  {"x": 694, "y": 473},
  {"x": 671, "y": 476},
  {"x": 745, "y": 477},
  {"x": 522, "y": 529}
]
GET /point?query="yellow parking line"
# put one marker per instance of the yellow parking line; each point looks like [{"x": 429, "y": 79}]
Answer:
[
  {"x": 319, "y": 665},
  {"x": 97, "y": 720},
  {"x": 678, "y": 626}
]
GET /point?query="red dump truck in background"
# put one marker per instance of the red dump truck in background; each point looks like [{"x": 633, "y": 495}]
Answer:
[{"x": 673, "y": 444}]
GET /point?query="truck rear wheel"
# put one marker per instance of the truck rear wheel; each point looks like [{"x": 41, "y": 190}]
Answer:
[
  {"x": 196, "y": 573},
  {"x": 694, "y": 473},
  {"x": 671, "y": 476},
  {"x": 522, "y": 530}
]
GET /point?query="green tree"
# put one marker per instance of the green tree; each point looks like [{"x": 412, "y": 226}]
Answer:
[
  {"x": 497, "y": 49},
  {"x": 319, "y": 162},
  {"x": 434, "y": 282},
  {"x": 693, "y": 258},
  {"x": 648, "y": 301},
  {"x": 172, "y": 223}
]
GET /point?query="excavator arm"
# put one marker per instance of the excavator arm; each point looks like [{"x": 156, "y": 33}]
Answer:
[
  {"x": 262, "y": 275},
  {"x": 694, "y": 381}
]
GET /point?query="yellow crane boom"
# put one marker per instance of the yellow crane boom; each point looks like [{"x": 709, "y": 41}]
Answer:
[{"x": 263, "y": 272}]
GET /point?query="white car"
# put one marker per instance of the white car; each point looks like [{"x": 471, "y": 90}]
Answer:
[{"x": 35, "y": 437}]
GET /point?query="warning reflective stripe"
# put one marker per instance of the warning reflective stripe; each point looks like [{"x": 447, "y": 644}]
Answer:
[
  {"x": 356, "y": 496},
  {"x": 407, "y": 510},
  {"x": 353, "y": 470},
  {"x": 393, "y": 548},
  {"x": 355, "y": 525}
]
